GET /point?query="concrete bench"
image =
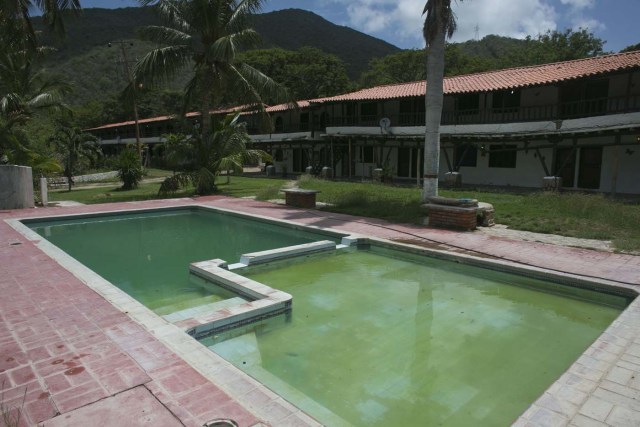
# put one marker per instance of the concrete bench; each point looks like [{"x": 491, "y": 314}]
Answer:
[{"x": 300, "y": 198}]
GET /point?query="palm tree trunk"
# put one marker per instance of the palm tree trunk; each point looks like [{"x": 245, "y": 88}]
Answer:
[
  {"x": 206, "y": 103},
  {"x": 433, "y": 99}
]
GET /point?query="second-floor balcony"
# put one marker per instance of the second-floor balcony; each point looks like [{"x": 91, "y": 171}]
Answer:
[{"x": 558, "y": 111}]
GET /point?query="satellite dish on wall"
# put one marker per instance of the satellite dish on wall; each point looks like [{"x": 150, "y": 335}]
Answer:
[{"x": 385, "y": 124}]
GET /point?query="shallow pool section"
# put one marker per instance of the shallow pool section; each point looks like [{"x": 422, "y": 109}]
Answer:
[
  {"x": 377, "y": 338},
  {"x": 147, "y": 254}
]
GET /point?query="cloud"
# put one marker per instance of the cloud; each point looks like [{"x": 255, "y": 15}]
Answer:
[
  {"x": 576, "y": 16},
  {"x": 579, "y": 4},
  {"x": 504, "y": 17},
  {"x": 402, "y": 19}
]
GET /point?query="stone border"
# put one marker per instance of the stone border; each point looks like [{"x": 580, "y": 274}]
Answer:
[
  {"x": 264, "y": 301},
  {"x": 287, "y": 252}
]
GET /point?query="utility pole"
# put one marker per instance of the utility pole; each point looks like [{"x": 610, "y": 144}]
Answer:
[{"x": 134, "y": 88}]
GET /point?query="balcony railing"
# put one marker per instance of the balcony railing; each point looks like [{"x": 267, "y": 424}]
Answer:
[{"x": 563, "y": 111}]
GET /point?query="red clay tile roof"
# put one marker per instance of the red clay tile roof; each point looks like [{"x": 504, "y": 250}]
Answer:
[
  {"x": 502, "y": 79},
  {"x": 163, "y": 118},
  {"x": 511, "y": 78},
  {"x": 285, "y": 107}
]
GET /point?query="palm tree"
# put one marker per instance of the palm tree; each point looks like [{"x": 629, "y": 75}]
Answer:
[
  {"x": 232, "y": 147},
  {"x": 203, "y": 158},
  {"x": 23, "y": 93},
  {"x": 439, "y": 24},
  {"x": 206, "y": 36},
  {"x": 72, "y": 145}
]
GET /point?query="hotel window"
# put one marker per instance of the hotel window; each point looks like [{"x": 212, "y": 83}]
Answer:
[
  {"x": 506, "y": 101},
  {"x": 304, "y": 122},
  {"x": 367, "y": 155},
  {"x": 465, "y": 155},
  {"x": 279, "y": 155},
  {"x": 468, "y": 103},
  {"x": 279, "y": 125},
  {"x": 502, "y": 156}
]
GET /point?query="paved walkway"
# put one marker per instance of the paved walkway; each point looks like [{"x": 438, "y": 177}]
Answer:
[{"x": 77, "y": 360}]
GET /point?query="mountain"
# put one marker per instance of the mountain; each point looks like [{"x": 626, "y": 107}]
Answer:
[
  {"x": 294, "y": 28},
  {"x": 96, "y": 70},
  {"x": 95, "y": 28}
]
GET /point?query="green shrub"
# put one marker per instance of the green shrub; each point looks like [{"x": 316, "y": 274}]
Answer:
[{"x": 129, "y": 169}]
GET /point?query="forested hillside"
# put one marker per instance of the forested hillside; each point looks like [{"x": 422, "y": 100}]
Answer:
[{"x": 86, "y": 61}]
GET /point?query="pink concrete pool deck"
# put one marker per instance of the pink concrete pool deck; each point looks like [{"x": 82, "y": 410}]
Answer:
[{"x": 76, "y": 359}]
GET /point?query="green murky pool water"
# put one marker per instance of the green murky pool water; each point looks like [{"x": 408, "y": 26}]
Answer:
[
  {"x": 147, "y": 255},
  {"x": 377, "y": 339}
]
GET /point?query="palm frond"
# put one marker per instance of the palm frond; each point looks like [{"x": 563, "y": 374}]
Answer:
[
  {"x": 253, "y": 86},
  {"x": 164, "y": 35},
  {"x": 232, "y": 162},
  {"x": 10, "y": 102},
  {"x": 239, "y": 18},
  {"x": 170, "y": 11},
  {"x": 160, "y": 65},
  {"x": 226, "y": 48},
  {"x": 204, "y": 180},
  {"x": 439, "y": 17},
  {"x": 52, "y": 12},
  {"x": 46, "y": 100}
]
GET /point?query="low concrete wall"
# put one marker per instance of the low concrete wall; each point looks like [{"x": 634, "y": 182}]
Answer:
[
  {"x": 95, "y": 177},
  {"x": 78, "y": 179},
  {"x": 16, "y": 187}
]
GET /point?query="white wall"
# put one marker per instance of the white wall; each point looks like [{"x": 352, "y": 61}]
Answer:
[
  {"x": 628, "y": 169},
  {"x": 527, "y": 173}
]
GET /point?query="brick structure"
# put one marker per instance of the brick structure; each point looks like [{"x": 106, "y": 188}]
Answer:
[
  {"x": 300, "y": 198},
  {"x": 444, "y": 216}
]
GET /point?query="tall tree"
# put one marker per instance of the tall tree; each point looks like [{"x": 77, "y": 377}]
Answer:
[
  {"x": 631, "y": 48},
  {"x": 401, "y": 67},
  {"x": 439, "y": 24},
  {"x": 206, "y": 36},
  {"x": 294, "y": 70},
  {"x": 554, "y": 46}
]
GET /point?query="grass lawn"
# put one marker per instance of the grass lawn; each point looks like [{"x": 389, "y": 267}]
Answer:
[
  {"x": 238, "y": 187},
  {"x": 590, "y": 216},
  {"x": 567, "y": 214}
]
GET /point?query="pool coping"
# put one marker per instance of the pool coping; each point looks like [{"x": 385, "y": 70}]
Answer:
[{"x": 607, "y": 366}]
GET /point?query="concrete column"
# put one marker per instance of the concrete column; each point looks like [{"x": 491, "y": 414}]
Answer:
[
  {"x": 44, "y": 193},
  {"x": 16, "y": 187}
]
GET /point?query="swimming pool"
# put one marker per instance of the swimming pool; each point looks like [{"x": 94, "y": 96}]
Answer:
[
  {"x": 189, "y": 351},
  {"x": 147, "y": 254},
  {"x": 379, "y": 337}
]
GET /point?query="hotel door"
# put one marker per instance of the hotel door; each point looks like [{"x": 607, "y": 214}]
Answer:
[
  {"x": 404, "y": 162},
  {"x": 566, "y": 166},
  {"x": 590, "y": 168}
]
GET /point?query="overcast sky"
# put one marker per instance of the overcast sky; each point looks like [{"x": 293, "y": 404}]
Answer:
[{"x": 399, "y": 21}]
